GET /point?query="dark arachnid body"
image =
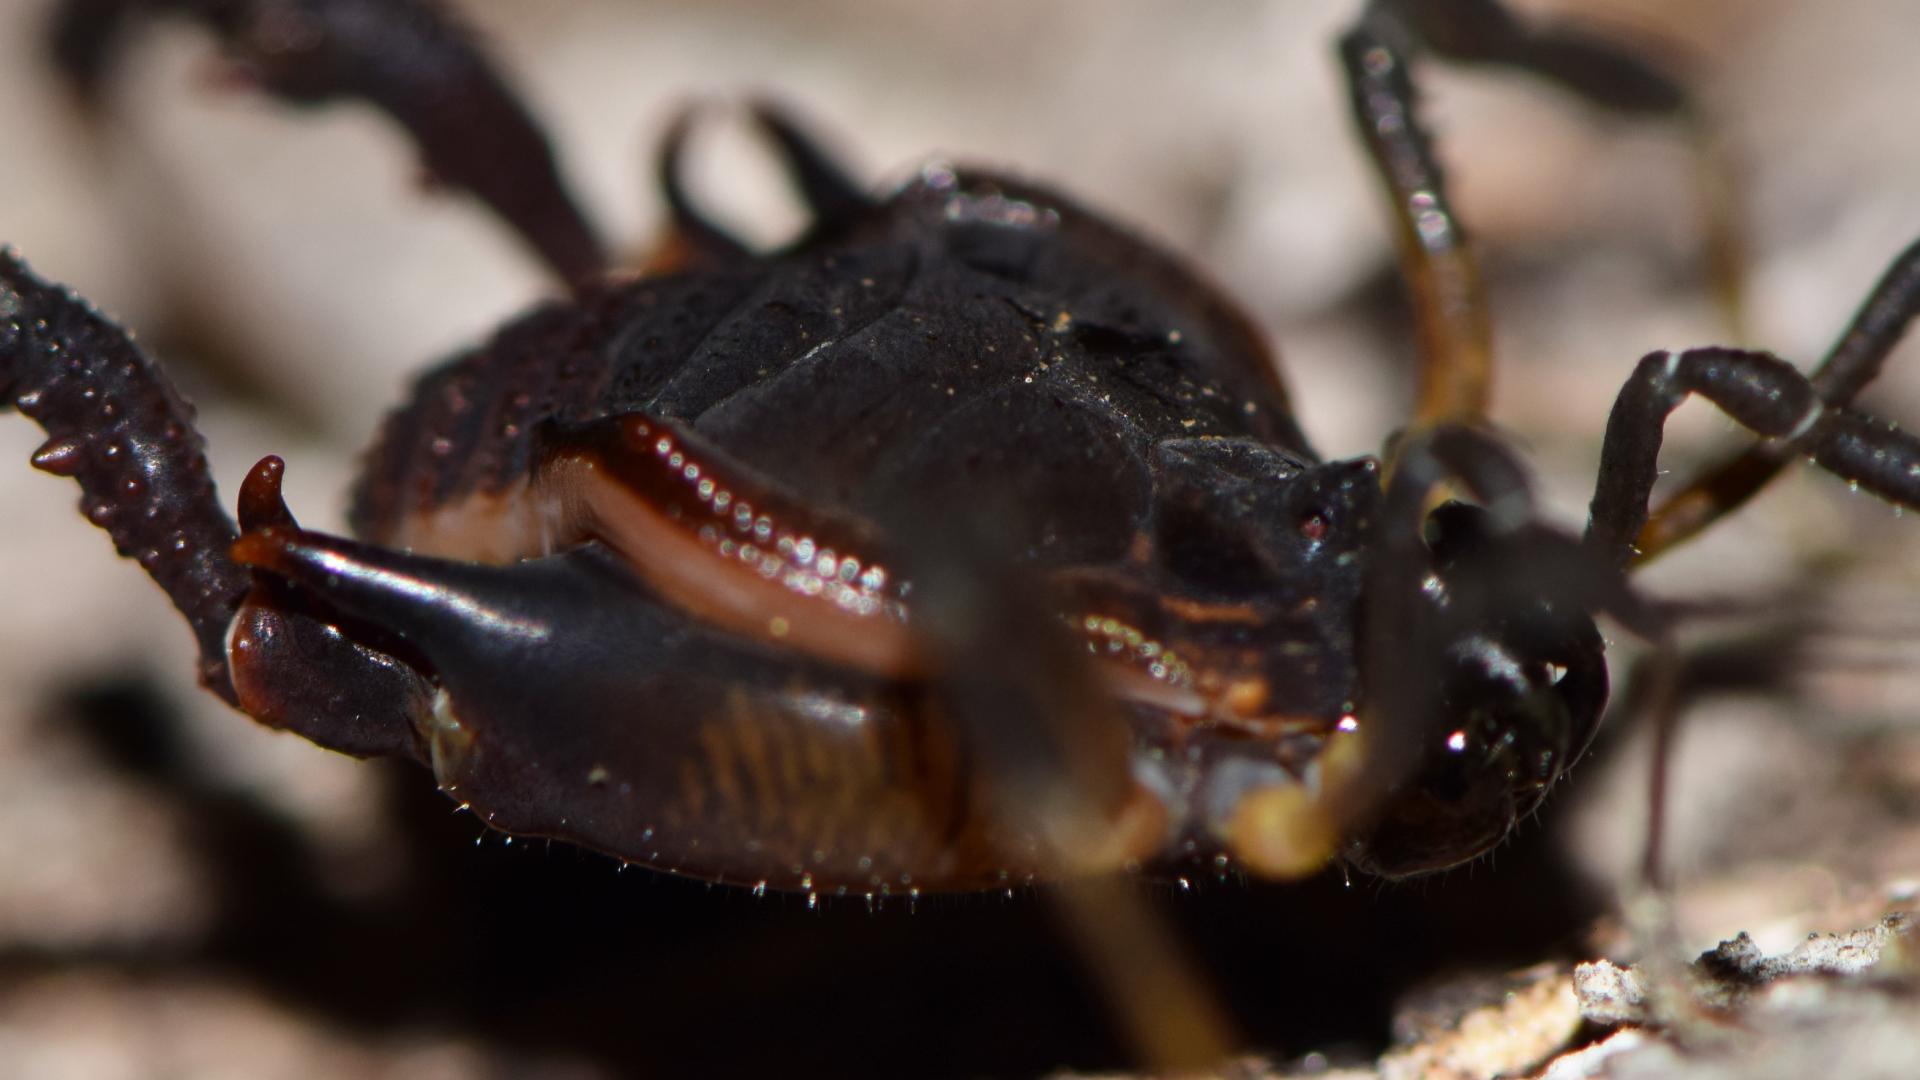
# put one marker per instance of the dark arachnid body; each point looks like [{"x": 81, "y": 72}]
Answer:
[
  {"x": 965, "y": 344},
  {"x": 969, "y": 540}
]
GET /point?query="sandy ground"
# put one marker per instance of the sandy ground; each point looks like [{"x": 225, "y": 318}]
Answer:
[{"x": 299, "y": 260}]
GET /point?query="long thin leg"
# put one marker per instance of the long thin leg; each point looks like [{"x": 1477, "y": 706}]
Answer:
[
  {"x": 1453, "y": 326},
  {"x": 1485, "y": 32},
  {"x": 115, "y": 424},
  {"x": 1450, "y": 307},
  {"x": 401, "y": 56},
  {"x": 1608, "y": 76},
  {"x": 1853, "y": 362},
  {"x": 1663, "y": 705},
  {"x": 1049, "y": 746},
  {"x": 1604, "y": 75},
  {"x": 1761, "y": 392},
  {"x": 1670, "y": 680}
]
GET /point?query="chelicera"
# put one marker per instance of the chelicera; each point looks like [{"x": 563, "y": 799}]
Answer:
[{"x": 968, "y": 540}]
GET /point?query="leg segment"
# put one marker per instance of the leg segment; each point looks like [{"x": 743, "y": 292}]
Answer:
[
  {"x": 1853, "y": 362},
  {"x": 1052, "y": 751},
  {"x": 400, "y": 56},
  {"x": 828, "y": 189},
  {"x": 1450, "y": 307},
  {"x": 1484, "y": 32},
  {"x": 1455, "y": 338},
  {"x": 117, "y": 426},
  {"x": 1050, "y": 745},
  {"x": 1602, "y": 74},
  {"x": 825, "y": 185},
  {"x": 691, "y": 240},
  {"x": 1760, "y": 391},
  {"x": 1667, "y": 682}
]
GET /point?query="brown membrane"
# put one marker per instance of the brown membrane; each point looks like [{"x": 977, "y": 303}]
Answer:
[
  {"x": 730, "y": 553},
  {"x": 719, "y": 550}
]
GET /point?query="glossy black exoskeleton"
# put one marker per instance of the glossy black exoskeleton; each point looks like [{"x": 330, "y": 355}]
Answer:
[{"x": 968, "y": 540}]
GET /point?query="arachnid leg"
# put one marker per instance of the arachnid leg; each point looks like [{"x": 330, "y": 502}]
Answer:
[
  {"x": 116, "y": 425},
  {"x": 1761, "y": 392},
  {"x": 824, "y": 184},
  {"x": 830, "y": 192},
  {"x": 1485, "y": 32},
  {"x": 1603, "y": 74},
  {"x": 692, "y": 240},
  {"x": 1453, "y": 326},
  {"x": 1050, "y": 744},
  {"x": 1666, "y": 683},
  {"x": 1053, "y": 755},
  {"x": 405, "y": 58},
  {"x": 1854, "y": 361},
  {"x": 1450, "y": 306}
]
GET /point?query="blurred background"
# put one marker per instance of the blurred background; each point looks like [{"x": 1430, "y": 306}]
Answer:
[{"x": 182, "y": 893}]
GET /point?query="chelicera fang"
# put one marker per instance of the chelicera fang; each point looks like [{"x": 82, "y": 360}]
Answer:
[{"x": 969, "y": 540}]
